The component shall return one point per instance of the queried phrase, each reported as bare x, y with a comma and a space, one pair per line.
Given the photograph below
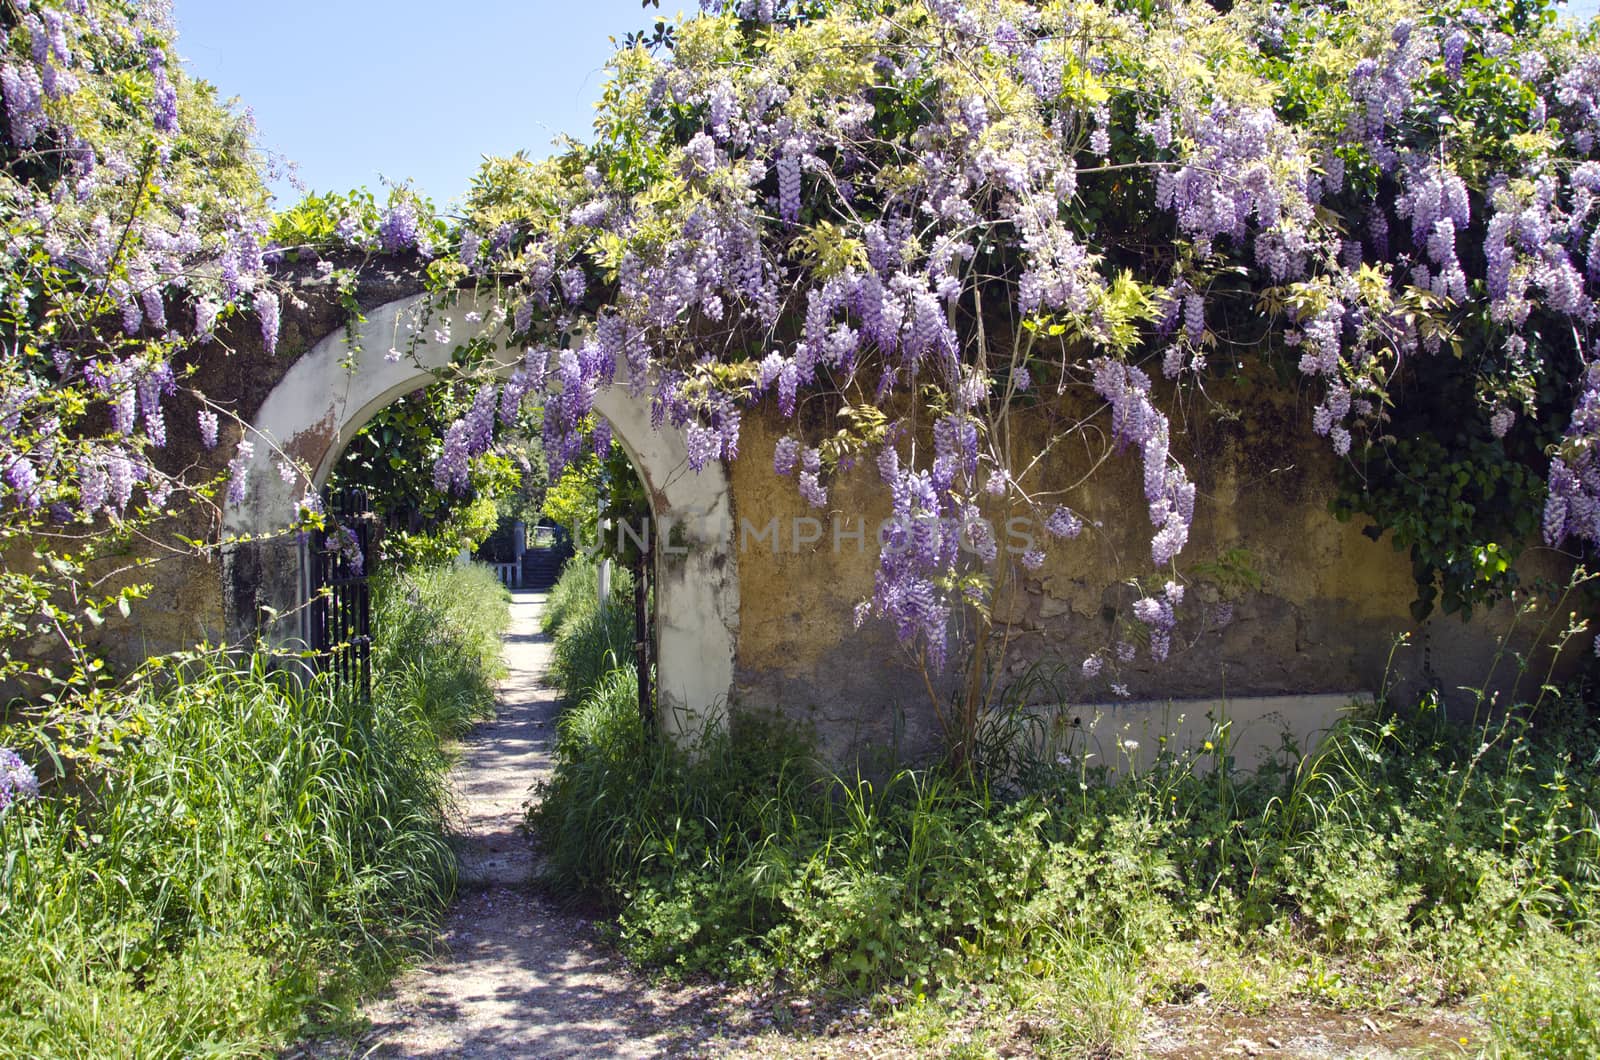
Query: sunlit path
514, 974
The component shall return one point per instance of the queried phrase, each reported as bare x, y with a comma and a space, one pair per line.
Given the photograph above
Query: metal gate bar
341, 603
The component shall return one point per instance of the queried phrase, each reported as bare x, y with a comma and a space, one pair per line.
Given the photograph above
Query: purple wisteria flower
18, 782
266, 306
1136, 421
1062, 522
239, 471
1159, 615
785, 454
1572, 506
400, 229
344, 543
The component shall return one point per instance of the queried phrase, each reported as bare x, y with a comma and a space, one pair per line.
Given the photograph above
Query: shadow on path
515, 975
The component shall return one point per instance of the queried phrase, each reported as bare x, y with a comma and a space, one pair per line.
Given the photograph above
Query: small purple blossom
785, 454
23, 479
266, 306
344, 543
209, 424
573, 284
400, 229
18, 782
1062, 522
789, 182
812, 490
239, 471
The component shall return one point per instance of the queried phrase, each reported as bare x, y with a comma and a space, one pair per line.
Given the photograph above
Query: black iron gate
341, 605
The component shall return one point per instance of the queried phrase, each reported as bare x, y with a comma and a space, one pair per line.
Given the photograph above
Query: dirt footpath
514, 973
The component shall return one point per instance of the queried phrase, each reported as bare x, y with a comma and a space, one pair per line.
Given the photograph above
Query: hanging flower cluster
119, 255
17, 779
962, 207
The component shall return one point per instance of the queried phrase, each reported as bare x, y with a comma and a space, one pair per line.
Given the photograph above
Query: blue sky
357, 89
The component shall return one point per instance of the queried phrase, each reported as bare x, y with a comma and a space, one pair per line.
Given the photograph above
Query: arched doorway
330, 393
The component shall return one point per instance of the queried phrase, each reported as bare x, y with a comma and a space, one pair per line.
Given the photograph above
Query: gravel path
514, 974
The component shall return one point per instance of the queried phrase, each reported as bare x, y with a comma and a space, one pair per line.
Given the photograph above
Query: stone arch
324, 399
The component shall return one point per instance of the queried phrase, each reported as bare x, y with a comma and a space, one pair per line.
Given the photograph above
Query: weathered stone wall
196, 597
1323, 618
1318, 625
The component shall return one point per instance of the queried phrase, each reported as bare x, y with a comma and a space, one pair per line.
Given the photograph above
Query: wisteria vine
958, 210
927, 219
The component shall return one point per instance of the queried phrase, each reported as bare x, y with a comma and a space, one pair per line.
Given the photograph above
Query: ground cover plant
251, 851
1409, 861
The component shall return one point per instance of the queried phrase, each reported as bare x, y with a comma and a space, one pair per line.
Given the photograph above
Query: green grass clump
576, 589
253, 850
438, 641
588, 643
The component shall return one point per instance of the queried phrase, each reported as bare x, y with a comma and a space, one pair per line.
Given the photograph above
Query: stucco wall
1319, 627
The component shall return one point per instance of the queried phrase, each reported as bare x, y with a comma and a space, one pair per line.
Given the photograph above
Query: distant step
542, 566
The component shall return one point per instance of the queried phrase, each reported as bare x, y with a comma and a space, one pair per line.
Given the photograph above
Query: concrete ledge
1130, 734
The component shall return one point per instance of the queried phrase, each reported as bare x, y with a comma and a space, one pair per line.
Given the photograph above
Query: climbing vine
922, 220
934, 224
135, 227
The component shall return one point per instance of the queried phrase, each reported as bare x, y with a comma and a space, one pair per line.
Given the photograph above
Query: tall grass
588, 643
438, 642
255, 849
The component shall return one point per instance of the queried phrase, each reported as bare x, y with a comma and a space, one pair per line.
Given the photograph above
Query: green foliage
589, 642
439, 641
573, 502
257, 849
1547, 1001
1402, 860
352, 219
392, 458
1462, 503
